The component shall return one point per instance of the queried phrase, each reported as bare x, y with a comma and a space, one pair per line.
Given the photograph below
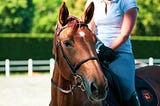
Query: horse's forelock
73, 24
72, 21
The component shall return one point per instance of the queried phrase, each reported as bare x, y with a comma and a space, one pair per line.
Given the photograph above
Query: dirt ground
21, 90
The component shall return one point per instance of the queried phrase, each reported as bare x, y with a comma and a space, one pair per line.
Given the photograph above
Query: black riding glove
105, 53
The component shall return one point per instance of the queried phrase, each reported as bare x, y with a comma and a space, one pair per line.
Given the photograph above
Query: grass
26, 35
146, 38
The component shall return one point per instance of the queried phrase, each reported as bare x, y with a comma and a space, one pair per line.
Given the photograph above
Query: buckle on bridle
79, 82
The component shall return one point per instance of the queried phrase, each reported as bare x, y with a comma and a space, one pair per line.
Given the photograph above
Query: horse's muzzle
97, 92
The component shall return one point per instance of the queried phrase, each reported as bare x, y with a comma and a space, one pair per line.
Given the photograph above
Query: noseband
78, 79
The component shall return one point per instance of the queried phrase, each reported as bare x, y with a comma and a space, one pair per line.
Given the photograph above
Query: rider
113, 22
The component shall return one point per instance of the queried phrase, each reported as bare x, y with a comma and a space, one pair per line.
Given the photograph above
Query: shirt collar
114, 1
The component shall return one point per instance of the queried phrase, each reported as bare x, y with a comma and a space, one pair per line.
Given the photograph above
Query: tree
46, 13
75, 7
45, 17
148, 18
40, 16
16, 16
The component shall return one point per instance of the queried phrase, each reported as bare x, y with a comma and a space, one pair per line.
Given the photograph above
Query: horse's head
75, 53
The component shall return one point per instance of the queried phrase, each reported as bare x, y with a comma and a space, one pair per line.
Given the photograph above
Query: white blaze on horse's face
82, 34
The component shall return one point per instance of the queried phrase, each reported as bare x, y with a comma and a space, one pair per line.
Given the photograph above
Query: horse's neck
59, 79
58, 96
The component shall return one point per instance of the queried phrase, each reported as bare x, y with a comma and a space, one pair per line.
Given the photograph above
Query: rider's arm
127, 25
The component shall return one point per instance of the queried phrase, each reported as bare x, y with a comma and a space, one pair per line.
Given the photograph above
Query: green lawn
26, 35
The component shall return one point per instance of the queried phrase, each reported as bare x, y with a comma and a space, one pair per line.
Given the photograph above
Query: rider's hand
106, 53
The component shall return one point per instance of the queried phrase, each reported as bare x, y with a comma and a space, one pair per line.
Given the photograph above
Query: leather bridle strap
62, 90
83, 61
78, 83
75, 67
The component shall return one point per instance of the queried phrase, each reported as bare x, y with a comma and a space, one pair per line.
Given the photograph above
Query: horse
77, 78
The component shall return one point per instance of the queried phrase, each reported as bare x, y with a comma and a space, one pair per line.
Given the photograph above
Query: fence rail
147, 62
30, 65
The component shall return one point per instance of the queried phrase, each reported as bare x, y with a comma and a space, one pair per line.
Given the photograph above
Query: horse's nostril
94, 88
98, 92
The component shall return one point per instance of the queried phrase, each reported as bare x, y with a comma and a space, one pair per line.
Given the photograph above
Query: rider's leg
133, 101
124, 70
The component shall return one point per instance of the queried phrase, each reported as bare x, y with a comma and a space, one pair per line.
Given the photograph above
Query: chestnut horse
77, 78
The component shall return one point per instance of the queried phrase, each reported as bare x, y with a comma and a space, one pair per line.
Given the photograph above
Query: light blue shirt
108, 25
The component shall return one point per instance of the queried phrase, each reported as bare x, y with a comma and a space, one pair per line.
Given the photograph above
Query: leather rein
79, 82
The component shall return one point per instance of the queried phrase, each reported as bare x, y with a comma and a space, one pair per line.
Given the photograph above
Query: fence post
30, 67
150, 61
7, 68
51, 65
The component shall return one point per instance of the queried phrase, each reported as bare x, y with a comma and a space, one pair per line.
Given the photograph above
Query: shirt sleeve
128, 4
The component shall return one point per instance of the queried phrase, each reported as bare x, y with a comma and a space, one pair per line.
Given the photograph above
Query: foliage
16, 15
40, 16
148, 18
75, 8
45, 15
145, 48
23, 48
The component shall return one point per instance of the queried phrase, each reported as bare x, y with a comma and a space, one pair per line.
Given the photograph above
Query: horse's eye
67, 43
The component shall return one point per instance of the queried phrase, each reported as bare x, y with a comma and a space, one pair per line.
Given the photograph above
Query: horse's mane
72, 23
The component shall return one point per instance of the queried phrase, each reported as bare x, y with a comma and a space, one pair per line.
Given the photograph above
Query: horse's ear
88, 13
63, 14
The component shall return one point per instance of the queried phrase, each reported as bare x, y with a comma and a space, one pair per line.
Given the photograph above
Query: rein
78, 79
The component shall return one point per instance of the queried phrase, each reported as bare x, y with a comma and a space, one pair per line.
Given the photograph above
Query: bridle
79, 82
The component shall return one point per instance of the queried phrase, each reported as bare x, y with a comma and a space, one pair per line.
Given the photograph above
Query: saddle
145, 91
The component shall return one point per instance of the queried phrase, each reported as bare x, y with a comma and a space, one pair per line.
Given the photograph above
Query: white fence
30, 65
147, 62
